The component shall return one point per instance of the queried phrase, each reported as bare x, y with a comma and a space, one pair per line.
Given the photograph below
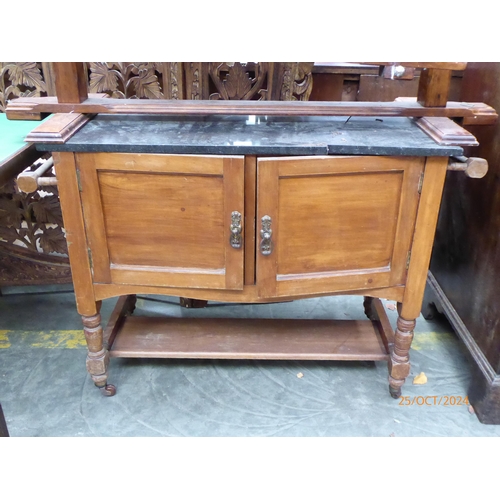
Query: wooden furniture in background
372, 82
465, 267
4, 432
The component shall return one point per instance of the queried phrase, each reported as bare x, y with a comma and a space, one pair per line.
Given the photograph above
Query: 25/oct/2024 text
433, 401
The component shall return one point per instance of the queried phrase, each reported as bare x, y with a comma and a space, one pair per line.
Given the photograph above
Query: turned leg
399, 362
98, 355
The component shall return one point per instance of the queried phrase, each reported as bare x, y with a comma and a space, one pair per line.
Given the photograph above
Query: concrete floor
45, 389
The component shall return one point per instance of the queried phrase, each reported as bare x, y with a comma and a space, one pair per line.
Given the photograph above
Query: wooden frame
477, 113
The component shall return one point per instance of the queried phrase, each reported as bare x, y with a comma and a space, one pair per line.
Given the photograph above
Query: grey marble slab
257, 135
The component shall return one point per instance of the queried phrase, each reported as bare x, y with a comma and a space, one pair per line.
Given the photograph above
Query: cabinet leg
399, 362
133, 302
368, 306
192, 303
98, 355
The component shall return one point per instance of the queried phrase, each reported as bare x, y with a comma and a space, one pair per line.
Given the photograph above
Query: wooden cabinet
251, 201
249, 228
321, 224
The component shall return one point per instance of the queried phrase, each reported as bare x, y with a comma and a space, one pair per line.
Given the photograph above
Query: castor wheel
395, 392
108, 390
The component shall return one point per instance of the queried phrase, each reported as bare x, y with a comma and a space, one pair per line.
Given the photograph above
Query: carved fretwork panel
139, 80
294, 81
22, 79
249, 81
202, 80
240, 81
32, 241
196, 78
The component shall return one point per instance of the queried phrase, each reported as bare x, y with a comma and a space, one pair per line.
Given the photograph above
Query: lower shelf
145, 337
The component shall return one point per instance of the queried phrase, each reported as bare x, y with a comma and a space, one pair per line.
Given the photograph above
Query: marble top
256, 135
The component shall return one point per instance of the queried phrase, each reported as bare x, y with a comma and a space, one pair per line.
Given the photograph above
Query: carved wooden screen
143, 80
23, 79
202, 80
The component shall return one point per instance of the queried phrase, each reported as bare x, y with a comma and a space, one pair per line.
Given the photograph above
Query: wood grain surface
211, 338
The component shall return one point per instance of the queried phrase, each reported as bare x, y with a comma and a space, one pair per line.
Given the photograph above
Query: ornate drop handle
235, 228
266, 245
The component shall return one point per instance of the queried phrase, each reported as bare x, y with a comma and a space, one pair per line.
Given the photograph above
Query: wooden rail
477, 113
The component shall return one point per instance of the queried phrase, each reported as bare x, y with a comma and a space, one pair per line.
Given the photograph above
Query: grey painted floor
45, 389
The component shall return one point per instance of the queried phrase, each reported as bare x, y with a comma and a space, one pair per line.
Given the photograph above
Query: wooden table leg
98, 355
399, 363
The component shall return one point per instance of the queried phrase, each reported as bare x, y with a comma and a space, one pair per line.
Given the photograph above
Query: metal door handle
266, 244
235, 229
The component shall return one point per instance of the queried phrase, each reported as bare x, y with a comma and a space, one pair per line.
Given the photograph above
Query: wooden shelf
213, 338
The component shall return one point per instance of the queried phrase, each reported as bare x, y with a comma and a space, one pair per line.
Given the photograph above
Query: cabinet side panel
69, 195
93, 216
406, 218
425, 228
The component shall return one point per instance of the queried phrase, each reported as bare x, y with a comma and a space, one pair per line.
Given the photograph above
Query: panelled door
331, 224
164, 220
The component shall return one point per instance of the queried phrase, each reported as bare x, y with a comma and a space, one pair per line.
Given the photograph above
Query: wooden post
71, 82
433, 87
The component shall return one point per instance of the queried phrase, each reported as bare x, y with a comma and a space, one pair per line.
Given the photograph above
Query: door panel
341, 223
163, 220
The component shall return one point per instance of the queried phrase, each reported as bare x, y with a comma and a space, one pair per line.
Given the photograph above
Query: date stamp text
434, 401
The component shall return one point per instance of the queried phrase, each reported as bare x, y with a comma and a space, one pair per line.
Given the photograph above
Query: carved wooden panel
202, 80
32, 241
139, 80
20, 79
196, 78
241, 81
295, 81
257, 81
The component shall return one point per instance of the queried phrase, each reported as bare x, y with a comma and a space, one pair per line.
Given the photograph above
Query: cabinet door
164, 220
334, 223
